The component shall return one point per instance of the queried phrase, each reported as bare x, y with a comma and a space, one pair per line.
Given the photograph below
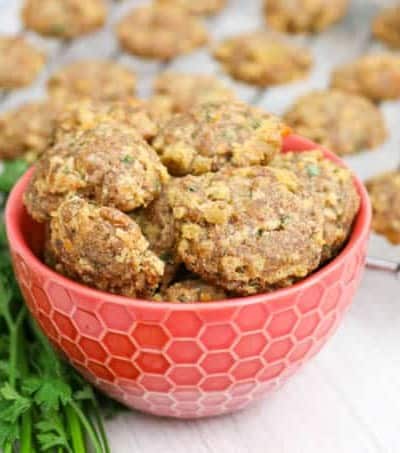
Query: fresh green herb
127, 159
166, 257
12, 171
313, 170
255, 123
285, 220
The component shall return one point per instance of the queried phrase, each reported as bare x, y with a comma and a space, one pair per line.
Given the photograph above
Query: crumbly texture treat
183, 91
28, 130
341, 122
20, 62
247, 230
375, 76
190, 291
160, 32
263, 59
386, 27
211, 136
333, 190
64, 18
104, 248
110, 164
95, 79
384, 192
200, 7
304, 16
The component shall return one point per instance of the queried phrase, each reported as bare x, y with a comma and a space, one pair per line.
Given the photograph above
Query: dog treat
386, 27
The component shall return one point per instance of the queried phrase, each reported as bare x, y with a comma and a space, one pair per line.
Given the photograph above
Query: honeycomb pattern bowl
179, 360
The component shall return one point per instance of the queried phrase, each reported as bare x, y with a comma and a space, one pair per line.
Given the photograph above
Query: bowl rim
360, 232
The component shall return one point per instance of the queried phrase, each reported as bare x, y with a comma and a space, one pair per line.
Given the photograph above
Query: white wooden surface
348, 399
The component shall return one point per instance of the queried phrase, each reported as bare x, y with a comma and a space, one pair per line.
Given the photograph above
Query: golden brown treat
386, 27
20, 62
341, 122
109, 164
199, 7
191, 291
87, 113
160, 32
304, 16
376, 77
384, 192
261, 58
28, 130
211, 136
64, 18
183, 91
103, 248
247, 230
333, 190
101, 80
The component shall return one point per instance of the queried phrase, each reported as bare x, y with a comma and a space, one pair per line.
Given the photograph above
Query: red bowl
179, 360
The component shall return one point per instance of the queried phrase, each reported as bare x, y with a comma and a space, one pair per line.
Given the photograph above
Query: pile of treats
200, 205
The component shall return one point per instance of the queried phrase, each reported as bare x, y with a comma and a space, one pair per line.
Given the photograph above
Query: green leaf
12, 404
9, 433
52, 393
51, 433
12, 171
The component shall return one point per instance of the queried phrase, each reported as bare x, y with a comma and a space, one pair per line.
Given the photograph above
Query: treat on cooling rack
189, 291
384, 192
332, 190
182, 91
64, 18
214, 135
20, 62
110, 164
386, 27
160, 32
96, 79
247, 230
304, 16
375, 76
342, 122
28, 130
104, 248
199, 7
263, 59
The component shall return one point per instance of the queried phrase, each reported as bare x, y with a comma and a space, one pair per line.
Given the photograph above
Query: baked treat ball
247, 230
104, 248
160, 32
110, 164
20, 62
333, 191
64, 18
200, 7
95, 79
342, 122
386, 27
263, 59
304, 16
182, 91
28, 130
384, 192
211, 136
190, 291
375, 76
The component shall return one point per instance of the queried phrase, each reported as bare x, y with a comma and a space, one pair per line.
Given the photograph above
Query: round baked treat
304, 16
161, 32
384, 192
199, 7
64, 18
183, 91
20, 62
96, 79
247, 230
110, 164
214, 135
333, 190
104, 248
386, 27
190, 291
260, 58
342, 122
376, 77
28, 130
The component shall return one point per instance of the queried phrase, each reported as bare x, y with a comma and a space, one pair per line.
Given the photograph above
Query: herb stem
26, 419
75, 430
88, 427
100, 426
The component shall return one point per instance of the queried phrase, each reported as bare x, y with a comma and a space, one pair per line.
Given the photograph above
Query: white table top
348, 399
